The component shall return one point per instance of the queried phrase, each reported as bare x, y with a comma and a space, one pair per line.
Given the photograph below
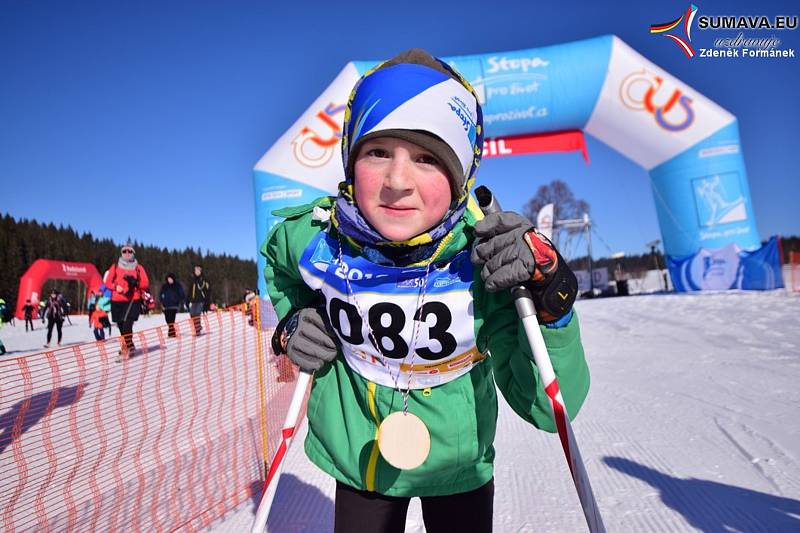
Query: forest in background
23, 241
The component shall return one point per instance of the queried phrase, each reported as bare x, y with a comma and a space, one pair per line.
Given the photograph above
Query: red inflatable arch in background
30, 284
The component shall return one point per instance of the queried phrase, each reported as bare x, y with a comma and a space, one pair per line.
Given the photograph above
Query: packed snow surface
691, 424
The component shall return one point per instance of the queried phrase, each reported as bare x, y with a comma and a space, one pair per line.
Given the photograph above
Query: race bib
424, 326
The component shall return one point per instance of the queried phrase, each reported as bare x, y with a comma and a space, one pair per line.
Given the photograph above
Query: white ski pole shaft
276, 466
527, 313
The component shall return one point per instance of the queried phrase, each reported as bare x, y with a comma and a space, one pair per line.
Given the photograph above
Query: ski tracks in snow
690, 425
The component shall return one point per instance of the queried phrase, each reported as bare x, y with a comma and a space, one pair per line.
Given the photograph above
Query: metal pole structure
653, 251
588, 225
527, 313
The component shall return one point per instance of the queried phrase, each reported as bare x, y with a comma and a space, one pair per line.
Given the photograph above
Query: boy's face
400, 188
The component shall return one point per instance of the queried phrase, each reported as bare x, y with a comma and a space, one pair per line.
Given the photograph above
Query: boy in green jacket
395, 294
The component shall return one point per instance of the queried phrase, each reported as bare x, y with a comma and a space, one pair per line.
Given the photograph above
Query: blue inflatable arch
688, 144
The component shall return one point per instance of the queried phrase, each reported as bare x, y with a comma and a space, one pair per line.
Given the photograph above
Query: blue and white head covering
420, 99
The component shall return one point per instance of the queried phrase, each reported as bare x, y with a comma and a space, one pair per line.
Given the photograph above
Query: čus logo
676, 25
646, 91
322, 147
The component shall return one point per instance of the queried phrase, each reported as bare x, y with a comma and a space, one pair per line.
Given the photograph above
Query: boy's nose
397, 178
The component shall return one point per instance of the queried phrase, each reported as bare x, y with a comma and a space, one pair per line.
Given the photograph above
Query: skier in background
5, 313
250, 302
127, 278
199, 298
171, 297
98, 325
67, 309
2, 346
103, 302
91, 302
27, 309
54, 312
395, 294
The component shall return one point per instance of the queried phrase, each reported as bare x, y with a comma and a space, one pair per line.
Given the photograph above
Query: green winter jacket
345, 409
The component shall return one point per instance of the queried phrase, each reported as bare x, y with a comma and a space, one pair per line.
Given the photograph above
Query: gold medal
403, 440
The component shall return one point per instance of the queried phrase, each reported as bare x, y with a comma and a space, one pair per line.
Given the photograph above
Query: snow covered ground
692, 423
19, 342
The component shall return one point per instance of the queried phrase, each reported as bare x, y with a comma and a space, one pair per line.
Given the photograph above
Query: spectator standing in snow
171, 298
199, 298
2, 347
28, 310
5, 314
127, 279
54, 312
67, 309
91, 303
250, 301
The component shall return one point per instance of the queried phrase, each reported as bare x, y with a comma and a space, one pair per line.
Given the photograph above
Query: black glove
133, 282
513, 253
308, 339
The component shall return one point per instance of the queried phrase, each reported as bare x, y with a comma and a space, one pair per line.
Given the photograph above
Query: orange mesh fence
171, 438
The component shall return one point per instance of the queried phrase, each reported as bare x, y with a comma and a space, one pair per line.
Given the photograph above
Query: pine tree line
23, 241
628, 263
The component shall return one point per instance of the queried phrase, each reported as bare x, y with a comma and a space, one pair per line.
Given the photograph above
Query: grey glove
313, 343
501, 248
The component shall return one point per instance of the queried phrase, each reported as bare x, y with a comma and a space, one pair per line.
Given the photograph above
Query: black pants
196, 312
126, 330
106, 324
28, 320
359, 511
169, 316
50, 324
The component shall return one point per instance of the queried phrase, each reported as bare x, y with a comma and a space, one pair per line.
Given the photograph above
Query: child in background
99, 319
103, 302
396, 295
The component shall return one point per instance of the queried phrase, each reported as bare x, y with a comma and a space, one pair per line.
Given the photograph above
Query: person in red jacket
127, 279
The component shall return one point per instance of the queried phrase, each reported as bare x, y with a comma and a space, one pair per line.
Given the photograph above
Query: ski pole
527, 313
276, 466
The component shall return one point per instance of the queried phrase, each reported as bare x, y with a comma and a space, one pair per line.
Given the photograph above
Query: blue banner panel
727, 268
702, 197
275, 192
551, 88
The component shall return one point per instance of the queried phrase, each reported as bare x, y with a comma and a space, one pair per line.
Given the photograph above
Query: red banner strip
560, 141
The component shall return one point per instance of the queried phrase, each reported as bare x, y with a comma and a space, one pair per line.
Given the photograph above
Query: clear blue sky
146, 118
